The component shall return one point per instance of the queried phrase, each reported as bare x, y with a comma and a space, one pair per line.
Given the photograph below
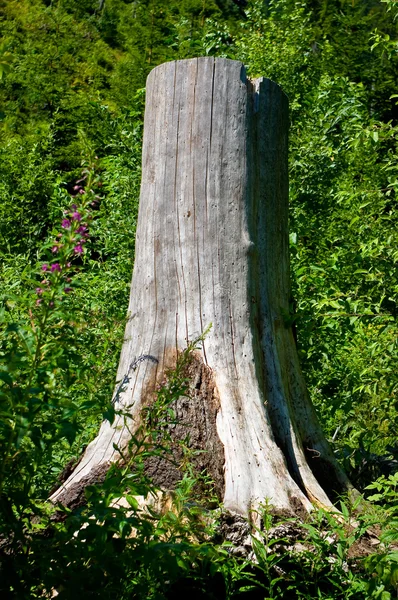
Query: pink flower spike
39, 290
82, 191
65, 224
78, 249
54, 249
51, 304
38, 302
69, 265
76, 187
55, 267
44, 268
76, 216
81, 229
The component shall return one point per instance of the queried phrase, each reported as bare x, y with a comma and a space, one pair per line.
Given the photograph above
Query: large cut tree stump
212, 248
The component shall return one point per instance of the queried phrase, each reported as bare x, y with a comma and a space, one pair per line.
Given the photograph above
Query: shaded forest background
72, 93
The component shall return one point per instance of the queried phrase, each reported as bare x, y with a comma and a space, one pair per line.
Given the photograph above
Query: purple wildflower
38, 302
82, 229
68, 265
81, 191
39, 290
55, 267
67, 290
76, 216
65, 224
77, 187
44, 268
78, 249
54, 249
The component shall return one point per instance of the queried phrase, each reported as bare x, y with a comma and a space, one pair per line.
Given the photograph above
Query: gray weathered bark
212, 247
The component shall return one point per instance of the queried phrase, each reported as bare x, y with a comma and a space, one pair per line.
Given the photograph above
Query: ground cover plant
72, 77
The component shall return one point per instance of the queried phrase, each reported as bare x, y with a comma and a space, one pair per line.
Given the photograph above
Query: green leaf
6, 377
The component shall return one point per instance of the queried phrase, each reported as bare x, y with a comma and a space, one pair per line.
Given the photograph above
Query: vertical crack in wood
212, 103
176, 203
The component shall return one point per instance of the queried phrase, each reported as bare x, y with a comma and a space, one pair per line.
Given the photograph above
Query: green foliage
327, 557
26, 186
343, 160
39, 354
111, 545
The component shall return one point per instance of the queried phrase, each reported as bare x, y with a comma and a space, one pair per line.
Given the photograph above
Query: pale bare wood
212, 247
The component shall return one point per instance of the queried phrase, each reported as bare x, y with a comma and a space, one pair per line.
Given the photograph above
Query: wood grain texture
212, 247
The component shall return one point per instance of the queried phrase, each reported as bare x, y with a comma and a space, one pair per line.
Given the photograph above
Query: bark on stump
212, 247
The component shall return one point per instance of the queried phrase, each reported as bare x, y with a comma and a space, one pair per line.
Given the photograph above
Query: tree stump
212, 248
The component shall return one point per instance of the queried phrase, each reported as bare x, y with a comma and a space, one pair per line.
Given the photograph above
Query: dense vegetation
72, 77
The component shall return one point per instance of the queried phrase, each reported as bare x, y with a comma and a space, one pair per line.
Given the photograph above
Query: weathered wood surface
212, 247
